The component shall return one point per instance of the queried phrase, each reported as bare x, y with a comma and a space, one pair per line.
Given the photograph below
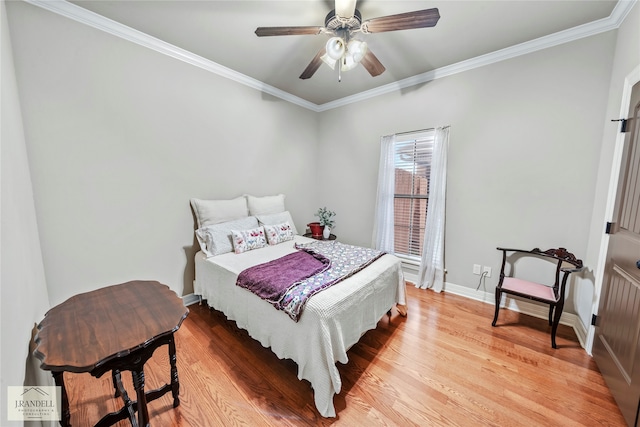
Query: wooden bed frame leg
402, 309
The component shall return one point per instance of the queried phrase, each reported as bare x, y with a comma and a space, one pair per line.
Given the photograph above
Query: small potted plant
326, 220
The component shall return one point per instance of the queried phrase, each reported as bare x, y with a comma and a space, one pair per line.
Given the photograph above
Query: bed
331, 322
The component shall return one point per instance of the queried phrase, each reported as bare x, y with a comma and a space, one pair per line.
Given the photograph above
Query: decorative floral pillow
279, 218
279, 233
246, 240
216, 239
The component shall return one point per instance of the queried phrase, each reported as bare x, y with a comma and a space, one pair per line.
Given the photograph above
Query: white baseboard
524, 307
190, 299
521, 306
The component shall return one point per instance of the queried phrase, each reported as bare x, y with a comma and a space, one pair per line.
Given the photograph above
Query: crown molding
92, 19
84, 16
620, 11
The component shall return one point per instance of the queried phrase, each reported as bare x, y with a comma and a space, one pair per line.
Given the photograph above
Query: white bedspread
331, 322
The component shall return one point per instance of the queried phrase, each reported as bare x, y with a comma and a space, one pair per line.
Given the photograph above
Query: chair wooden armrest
552, 293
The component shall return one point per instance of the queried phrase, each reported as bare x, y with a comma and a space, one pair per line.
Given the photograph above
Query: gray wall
524, 144
23, 289
121, 137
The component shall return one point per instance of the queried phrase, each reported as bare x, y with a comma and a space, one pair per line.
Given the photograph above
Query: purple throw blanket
288, 282
272, 279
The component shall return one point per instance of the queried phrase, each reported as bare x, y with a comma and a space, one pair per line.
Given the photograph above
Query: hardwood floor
443, 365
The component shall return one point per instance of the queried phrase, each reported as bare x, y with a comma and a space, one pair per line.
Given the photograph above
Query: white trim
614, 20
92, 19
410, 273
521, 306
620, 11
79, 14
408, 260
191, 299
631, 79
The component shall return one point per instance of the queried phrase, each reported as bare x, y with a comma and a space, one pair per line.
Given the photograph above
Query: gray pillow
209, 212
265, 205
277, 218
216, 239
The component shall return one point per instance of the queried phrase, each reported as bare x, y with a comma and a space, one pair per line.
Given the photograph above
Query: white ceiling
222, 32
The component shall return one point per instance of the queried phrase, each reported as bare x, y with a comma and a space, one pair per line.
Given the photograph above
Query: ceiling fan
345, 49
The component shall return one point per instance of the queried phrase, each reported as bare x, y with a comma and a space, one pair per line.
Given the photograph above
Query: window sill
409, 260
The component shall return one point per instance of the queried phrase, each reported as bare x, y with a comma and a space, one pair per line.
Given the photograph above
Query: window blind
412, 161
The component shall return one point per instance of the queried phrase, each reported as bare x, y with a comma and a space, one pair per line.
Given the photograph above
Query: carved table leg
175, 384
138, 384
65, 419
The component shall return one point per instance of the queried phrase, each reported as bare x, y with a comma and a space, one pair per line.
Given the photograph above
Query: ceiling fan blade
287, 31
372, 64
345, 8
402, 21
313, 65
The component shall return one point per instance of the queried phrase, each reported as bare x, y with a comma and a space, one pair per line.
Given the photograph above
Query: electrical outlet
476, 269
487, 270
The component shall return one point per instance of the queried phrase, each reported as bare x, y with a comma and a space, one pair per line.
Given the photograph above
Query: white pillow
279, 233
216, 239
277, 218
247, 240
209, 212
265, 205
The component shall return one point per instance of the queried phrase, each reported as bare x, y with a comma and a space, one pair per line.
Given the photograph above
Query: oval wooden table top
92, 328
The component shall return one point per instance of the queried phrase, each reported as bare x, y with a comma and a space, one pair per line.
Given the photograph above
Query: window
412, 166
408, 162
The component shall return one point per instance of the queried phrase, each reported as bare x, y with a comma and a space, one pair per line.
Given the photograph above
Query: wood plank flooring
443, 365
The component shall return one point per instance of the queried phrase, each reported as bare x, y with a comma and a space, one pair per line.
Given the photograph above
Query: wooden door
617, 335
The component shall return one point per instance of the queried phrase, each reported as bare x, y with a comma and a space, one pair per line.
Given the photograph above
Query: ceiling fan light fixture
348, 63
329, 61
345, 22
335, 48
357, 49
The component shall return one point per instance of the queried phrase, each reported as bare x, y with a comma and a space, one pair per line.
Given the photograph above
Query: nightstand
331, 236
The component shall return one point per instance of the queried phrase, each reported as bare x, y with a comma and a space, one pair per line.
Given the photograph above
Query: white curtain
431, 273
382, 233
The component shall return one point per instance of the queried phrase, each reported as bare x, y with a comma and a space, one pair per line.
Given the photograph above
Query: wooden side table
331, 236
115, 329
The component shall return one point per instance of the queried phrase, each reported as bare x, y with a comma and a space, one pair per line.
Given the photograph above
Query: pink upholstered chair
552, 293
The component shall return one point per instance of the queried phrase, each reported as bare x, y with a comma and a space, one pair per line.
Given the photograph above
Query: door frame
631, 79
